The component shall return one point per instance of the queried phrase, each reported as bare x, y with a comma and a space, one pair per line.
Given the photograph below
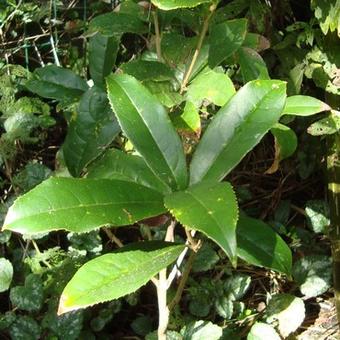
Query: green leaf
102, 57
225, 39
317, 213
288, 310
214, 86
6, 274
304, 106
237, 286
328, 14
210, 208
146, 123
285, 145
237, 128
252, 65
262, 331
29, 297
224, 307
189, 120
81, 205
116, 164
256, 42
205, 259
57, 83
173, 4
164, 92
144, 70
260, 245
325, 126
92, 130
199, 330
313, 273
115, 24
117, 274
24, 328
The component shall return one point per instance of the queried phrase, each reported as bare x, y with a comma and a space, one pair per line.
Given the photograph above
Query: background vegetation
283, 181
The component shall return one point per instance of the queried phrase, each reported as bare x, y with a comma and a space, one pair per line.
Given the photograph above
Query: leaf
146, 123
252, 65
256, 42
164, 92
189, 120
205, 259
325, 126
58, 83
317, 213
237, 286
81, 205
144, 70
117, 274
288, 310
262, 331
328, 14
116, 164
237, 128
214, 86
29, 297
304, 106
173, 4
114, 24
313, 273
102, 57
24, 328
260, 245
285, 145
6, 274
199, 330
210, 208
225, 39
224, 307
92, 130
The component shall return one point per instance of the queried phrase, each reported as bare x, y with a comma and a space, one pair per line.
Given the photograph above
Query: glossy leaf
116, 274
116, 164
148, 70
115, 24
57, 83
173, 4
260, 245
210, 208
92, 130
81, 205
214, 86
102, 57
237, 128
252, 65
225, 39
146, 123
285, 145
304, 106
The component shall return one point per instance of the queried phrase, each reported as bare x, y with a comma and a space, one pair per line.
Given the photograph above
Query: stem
162, 287
333, 167
158, 35
183, 281
39, 253
198, 48
113, 238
